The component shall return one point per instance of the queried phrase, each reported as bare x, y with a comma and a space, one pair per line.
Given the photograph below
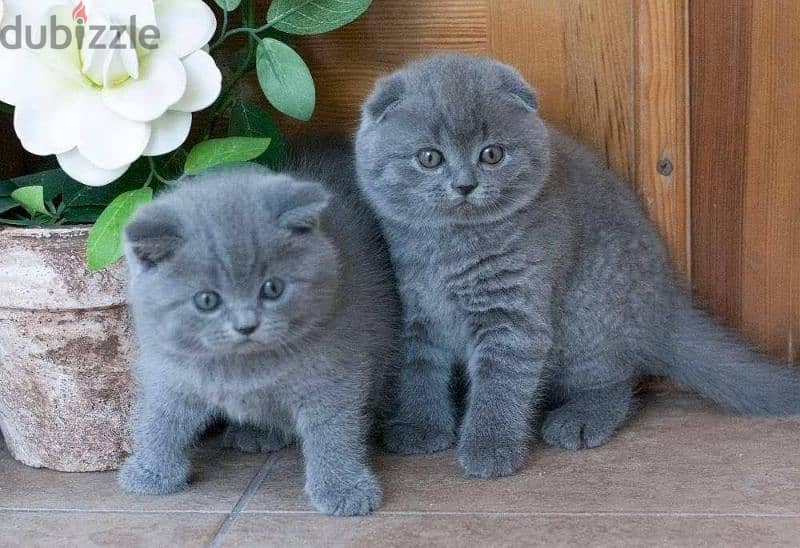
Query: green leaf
52, 182
7, 204
6, 188
228, 5
314, 16
104, 245
285, 79
76, 194
248, 120
31, 198
216, 152
82, 214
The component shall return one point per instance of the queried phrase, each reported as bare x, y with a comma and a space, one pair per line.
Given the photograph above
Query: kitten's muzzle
464, 188
246, 322
246, 330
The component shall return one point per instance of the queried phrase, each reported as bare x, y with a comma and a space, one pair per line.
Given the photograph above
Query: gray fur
316, 365
547, 283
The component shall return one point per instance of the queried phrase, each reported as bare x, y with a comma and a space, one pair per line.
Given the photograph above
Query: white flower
98, 108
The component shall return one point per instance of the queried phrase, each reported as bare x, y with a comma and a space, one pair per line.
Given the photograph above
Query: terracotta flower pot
65, 351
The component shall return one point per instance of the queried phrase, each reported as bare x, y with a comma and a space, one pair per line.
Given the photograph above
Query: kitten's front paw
139, 478
414, 439
253, 440
490, 458
348, 496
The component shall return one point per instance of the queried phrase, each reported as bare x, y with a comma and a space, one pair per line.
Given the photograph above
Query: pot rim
40, 231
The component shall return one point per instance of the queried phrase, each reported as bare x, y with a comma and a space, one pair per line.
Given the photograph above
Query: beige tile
679, 455
84, 530
497, 530
219, 479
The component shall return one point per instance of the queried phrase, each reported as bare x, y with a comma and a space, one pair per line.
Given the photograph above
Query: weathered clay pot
65, 351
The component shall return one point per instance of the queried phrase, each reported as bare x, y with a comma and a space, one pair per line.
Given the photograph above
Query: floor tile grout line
240, 511
249, 493
8, 510
545, 514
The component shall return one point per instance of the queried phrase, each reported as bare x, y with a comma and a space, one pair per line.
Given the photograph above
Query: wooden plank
719, 34
530, 37
771, 213
345, 63
661, 114
578, 54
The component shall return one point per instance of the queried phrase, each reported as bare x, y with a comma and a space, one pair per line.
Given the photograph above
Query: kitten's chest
446, 277
244, 390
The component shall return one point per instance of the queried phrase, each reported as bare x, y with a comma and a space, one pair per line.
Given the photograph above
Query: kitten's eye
207, 301
429, 158
272, 289
492, 154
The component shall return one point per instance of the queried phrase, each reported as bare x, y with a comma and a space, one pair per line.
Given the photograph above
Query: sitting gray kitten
521, 258
268, 301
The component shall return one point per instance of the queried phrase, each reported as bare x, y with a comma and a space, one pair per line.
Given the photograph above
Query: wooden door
745, 120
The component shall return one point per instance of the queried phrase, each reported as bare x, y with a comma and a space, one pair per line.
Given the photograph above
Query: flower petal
82, 170
161, 84
109, 140
121, 11
204, 82
185, 25
38, 76
168, 133
51, 127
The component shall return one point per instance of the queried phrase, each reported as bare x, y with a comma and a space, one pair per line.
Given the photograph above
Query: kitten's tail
713, 361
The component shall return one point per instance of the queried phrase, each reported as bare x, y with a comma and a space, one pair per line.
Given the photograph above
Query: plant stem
256, 31
154, 173
224, 29
227, 94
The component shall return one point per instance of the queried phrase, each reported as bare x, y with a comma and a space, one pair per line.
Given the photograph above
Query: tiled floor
680, 474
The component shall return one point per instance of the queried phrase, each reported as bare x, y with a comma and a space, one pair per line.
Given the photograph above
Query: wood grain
662, 125
745, 183
346, 63
719, 33
578, 55
771, 217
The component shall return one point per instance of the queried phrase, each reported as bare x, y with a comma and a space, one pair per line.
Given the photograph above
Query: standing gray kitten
525, 261
268, 301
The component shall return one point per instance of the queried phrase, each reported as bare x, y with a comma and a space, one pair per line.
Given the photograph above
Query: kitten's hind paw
571, 427
345, 496
253, 440
138, 478
410, 439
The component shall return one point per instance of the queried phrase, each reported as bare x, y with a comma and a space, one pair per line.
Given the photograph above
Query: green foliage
285, 79
72, 202
104, 246
314, 16
7, 204
249, 120
31, 198
217, 152
228, 5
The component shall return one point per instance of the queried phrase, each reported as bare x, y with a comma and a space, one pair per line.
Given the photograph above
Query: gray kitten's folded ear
386, 95
513, 83
303, 208
153, 235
